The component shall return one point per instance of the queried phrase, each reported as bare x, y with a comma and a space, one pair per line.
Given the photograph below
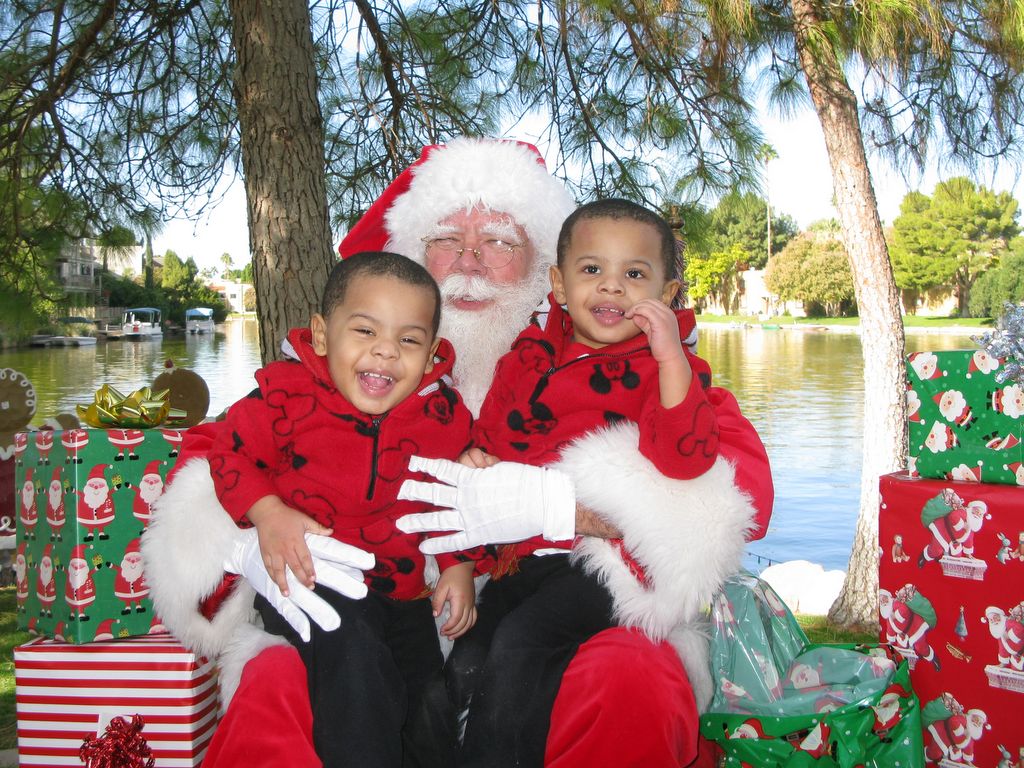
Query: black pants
376, 684
508, 668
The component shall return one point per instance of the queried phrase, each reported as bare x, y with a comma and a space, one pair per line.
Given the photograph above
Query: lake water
803, 390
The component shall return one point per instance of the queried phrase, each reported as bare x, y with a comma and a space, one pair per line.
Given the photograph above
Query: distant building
232, 292
78, 269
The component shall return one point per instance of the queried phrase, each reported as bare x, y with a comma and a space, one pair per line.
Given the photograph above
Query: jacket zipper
373, 430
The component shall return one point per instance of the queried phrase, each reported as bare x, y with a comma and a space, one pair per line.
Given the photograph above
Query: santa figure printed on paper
126, 441
29, 515
74, 440
21, 578
95, 507
953, 526
130, 583
80, 592
906, 618
1007, 628
55, 514
951, 733
148, 490
46, 585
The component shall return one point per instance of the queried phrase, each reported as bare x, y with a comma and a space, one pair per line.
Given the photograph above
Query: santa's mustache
472, 288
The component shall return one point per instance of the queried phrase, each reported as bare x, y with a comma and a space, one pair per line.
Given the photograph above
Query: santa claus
1017, 468
174, 438
74, 441
952, 529
925, 365
954, 737
44, 444
941, 438
887, 710
80, 591
46, 585
29, 513
1008, 401
804, 677
913, 405
20, 446
954, 408
1008, 630
95, 506
465, 190
906, 618
148, 490
816, 743
982, 362
130, 584
126, 441
751, 728
55, 515
21, 578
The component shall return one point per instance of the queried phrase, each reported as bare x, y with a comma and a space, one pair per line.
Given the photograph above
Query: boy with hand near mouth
328, 436
614, 352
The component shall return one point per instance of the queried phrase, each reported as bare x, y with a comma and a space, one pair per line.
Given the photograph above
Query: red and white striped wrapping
66, 692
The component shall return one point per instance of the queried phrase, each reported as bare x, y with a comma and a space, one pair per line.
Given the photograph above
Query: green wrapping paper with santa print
781, 701
964, 425
83, 500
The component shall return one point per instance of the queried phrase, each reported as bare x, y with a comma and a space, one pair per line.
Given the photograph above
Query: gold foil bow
141, 409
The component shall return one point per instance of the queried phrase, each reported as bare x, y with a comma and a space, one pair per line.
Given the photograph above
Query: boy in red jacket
613, 353
329, 435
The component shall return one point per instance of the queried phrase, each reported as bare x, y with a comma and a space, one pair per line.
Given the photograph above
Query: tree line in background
964, 240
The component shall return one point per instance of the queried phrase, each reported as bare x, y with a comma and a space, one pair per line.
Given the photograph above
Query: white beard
20, 569
150, 490
45, 572
131, 569
55, 494
78, 573
481, 336
95, 495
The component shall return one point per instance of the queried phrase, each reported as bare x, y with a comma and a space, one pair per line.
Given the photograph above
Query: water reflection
803, 390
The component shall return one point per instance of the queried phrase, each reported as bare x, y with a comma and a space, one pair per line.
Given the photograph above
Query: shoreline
948, 330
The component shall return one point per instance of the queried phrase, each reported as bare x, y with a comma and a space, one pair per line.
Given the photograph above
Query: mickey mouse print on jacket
548, 391
296, 437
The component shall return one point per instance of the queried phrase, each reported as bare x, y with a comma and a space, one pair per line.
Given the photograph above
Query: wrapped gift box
951, 599
964, 425
83, 500
68, 692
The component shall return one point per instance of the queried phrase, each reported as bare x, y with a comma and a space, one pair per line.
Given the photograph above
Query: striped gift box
66, 692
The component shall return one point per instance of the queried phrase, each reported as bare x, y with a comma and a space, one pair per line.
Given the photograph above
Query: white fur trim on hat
503, 176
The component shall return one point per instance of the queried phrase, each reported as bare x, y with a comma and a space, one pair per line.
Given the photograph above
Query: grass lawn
10, 636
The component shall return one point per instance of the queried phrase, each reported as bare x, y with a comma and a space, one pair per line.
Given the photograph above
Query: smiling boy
613, 353
329, 434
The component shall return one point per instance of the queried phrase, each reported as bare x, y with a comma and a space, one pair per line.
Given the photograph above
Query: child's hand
476, 457
659, 323
455, 587
282, 533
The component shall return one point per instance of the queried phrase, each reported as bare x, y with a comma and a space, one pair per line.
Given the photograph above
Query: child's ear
318, 327
557, 285
670, 291
430, 358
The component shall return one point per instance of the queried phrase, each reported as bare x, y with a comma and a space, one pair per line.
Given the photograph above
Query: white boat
199, 320
137, 323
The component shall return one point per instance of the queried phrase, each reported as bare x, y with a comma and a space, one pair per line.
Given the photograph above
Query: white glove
338, 566
505, 503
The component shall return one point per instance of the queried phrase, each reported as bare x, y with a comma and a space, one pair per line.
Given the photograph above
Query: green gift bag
782, 701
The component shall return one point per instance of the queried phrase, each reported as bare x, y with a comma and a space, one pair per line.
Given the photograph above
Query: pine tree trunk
282, 138
882, 338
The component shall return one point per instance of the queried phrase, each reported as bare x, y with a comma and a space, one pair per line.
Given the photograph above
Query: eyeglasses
493, 254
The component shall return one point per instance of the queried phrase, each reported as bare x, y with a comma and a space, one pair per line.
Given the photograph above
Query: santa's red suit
46, 585
126, 440
625, 699
953, 533
44, 444
74, 440
1009, 634
21, 578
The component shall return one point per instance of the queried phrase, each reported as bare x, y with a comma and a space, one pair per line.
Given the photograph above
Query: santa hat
967, 474
78, 553
505, 176
153, 468
156, 626
979, 507
132, 546
21, 550
47, 552
105, 630
56, 475
97, 472
978, 714
28, 475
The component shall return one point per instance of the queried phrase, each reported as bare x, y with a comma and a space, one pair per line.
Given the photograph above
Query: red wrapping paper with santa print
83, 500
964, 425
951, 600
67, 693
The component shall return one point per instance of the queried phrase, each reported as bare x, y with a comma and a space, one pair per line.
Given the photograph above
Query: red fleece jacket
296, 437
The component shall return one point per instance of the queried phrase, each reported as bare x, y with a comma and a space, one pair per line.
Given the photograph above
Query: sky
798, 183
